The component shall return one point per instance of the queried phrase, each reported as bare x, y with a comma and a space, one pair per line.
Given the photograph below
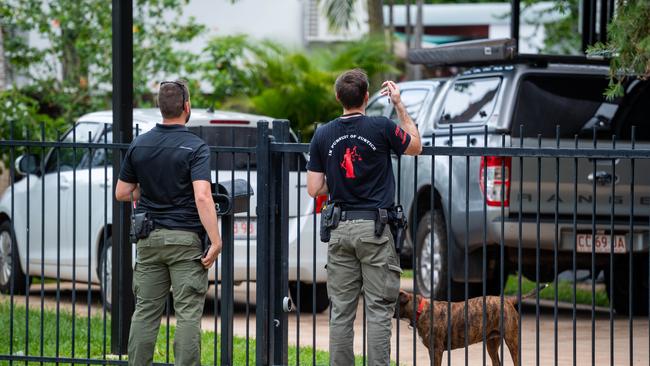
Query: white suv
70, 205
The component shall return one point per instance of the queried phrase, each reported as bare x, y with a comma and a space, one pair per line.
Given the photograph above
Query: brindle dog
424, 321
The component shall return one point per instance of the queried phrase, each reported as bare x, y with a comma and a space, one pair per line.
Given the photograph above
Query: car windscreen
470, 101
238, 137
575, 103
413, 100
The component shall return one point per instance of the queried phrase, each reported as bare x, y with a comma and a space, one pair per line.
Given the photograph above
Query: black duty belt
359, 215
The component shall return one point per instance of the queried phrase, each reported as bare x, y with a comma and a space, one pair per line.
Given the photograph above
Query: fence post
122, 296
263, 244
227, 284
280, 245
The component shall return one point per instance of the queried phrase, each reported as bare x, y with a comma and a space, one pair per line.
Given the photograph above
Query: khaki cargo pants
357, 258
168, 258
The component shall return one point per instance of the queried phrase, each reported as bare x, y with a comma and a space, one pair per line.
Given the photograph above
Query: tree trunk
375, 17
419, 30
391, 26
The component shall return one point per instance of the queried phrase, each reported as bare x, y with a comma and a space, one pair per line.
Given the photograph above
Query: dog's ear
404, 297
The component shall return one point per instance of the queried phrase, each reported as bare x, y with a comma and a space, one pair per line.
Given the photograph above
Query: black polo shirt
355, 155
165, 161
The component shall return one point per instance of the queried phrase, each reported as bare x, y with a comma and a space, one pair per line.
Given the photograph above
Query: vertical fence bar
27, 255
298, 226
415, 249
593, 256
248, 253
555, 247
449, 245
74, 238
104, 271
631, 307
399, 202
227, 282
262, 276
122, 60
537, 248
466, 264
12, 279
58, 246
215, 304
42, 172
519, 238
281, 270
575, 245
611, 258
484, 259
502, 251
90, 214
432, 293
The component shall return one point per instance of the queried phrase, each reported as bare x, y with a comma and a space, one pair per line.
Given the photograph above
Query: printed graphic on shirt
351, 155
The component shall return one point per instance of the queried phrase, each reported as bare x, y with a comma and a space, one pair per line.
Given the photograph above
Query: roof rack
484, 52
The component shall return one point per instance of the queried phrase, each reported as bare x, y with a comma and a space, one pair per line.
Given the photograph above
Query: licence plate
603, 243
242, 229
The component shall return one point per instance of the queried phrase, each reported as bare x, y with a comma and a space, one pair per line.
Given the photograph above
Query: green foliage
21, 118
628, 45
300, 87
73, 74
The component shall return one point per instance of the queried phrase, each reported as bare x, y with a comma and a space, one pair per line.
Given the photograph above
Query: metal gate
487, 217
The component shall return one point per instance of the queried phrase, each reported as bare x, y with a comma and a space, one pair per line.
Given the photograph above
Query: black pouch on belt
381, 221
329, 220
141, 226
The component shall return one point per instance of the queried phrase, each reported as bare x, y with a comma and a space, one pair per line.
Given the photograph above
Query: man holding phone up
167, 171
350, 159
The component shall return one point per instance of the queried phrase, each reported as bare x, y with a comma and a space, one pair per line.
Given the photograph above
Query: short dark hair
351, 88
172, 96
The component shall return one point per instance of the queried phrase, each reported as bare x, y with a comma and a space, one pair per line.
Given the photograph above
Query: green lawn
97, 339
565, 290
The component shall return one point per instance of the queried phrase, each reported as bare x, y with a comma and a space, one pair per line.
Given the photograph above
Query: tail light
495, 180
320, 202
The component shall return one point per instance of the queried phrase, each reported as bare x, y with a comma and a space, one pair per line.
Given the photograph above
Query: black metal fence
489, 214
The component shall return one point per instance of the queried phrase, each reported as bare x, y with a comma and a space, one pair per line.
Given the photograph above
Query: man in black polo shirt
167, 171
350, 158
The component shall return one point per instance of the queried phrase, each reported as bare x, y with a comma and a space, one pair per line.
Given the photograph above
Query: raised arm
406, 123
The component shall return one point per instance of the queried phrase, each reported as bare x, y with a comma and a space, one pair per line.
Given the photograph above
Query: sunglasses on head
180, 86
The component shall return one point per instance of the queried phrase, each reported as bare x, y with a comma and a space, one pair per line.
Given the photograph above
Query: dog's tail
515, 299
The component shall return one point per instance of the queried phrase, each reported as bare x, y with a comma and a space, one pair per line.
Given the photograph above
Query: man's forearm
406, 122
208, 216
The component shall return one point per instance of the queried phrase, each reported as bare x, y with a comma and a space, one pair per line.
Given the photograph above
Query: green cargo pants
168, 258
357, 258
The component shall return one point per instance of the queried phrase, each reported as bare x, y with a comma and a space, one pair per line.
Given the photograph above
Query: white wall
278, 20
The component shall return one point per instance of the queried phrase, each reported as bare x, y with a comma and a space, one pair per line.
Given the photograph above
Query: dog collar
420, 309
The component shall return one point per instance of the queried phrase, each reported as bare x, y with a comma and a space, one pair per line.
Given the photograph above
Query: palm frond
339, 13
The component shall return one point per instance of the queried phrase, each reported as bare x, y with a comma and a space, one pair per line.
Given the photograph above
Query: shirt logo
400, 134
350, 156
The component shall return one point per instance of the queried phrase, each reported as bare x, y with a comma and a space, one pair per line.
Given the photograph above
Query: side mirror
26, 164
232, 197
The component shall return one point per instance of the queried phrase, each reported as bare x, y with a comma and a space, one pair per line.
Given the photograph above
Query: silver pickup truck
522, 103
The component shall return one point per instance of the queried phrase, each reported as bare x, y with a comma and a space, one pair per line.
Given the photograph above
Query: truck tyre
105, 273
621, 288
306, 297
430, 263
10, 269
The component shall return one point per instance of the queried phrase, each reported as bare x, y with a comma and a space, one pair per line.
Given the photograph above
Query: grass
97, 339
565, 290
